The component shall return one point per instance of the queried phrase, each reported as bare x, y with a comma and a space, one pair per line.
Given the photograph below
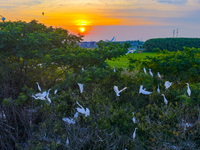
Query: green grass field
123, 60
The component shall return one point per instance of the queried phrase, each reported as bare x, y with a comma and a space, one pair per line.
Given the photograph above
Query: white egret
64, 41
67, 141
76, 115
80, 87
48, 96
81, 110
158, 90
130, 51
159, 75
134, 134
188, 90
55, 91
41, 98
68, 120
41, 94
133, 118
39, 88
150, 72
114, 69
165, 100
167, 84
82, 69
185, 125
117, 90
145, 71
141, 90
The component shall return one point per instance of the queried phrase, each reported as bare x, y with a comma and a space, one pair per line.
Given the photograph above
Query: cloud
173, 1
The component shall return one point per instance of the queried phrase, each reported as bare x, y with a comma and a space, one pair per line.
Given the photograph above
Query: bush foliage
53, 58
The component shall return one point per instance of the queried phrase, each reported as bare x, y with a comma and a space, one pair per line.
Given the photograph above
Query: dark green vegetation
31, 52
171, 44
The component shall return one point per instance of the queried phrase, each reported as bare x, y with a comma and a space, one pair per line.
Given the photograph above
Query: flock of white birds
86, 112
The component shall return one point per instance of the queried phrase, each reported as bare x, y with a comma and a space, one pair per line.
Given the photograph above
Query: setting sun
82, 29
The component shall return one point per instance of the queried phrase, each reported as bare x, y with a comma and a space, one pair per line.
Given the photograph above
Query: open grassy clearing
123, 60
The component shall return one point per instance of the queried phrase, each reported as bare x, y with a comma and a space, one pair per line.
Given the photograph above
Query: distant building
93, 44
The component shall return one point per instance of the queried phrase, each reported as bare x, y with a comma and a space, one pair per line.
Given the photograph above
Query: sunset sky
104, 19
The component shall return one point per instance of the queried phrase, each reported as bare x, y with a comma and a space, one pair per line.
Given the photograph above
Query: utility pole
177, 32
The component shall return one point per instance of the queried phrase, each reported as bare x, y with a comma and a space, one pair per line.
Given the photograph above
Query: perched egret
82, 69
167, 84
2, 115
141, 90
134, 134
80, 87
83, 111
185, 125
188, 90
67, 141
145, 71
68, 120
133, 118
64, 41
158, 90
39, 88
48, 96
150, 72
117, 91
76, 115
114, 69
159, 75
55, 91
165, 100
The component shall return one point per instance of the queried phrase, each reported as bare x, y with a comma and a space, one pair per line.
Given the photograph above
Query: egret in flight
81, 110
134, 134
48, 96
39, 88
165, 100
40, 96
80, 87
188, 89
141, 90
117, 90
150, 72
167, 84
68, 120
